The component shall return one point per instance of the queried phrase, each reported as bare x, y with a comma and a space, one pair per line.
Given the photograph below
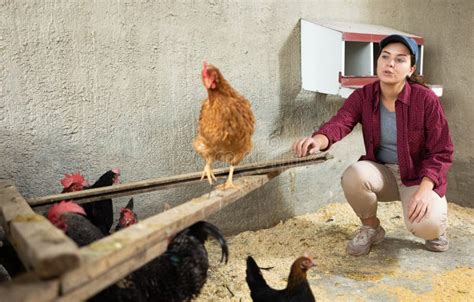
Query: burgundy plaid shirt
424, 146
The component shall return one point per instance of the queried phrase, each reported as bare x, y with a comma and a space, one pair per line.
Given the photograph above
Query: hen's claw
229, 184
208, 173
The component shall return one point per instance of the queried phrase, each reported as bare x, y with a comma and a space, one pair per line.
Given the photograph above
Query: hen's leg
208, 172
229, 183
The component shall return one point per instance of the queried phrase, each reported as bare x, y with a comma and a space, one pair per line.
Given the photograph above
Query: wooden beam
110, 259
179, 180
114, 274
41, 246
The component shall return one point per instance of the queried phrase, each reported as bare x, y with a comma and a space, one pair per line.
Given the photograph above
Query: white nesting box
337, 57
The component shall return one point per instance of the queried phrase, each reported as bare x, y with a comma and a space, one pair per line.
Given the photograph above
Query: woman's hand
310, 145
419, 206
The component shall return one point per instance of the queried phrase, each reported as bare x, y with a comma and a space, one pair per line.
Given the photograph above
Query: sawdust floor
399, 269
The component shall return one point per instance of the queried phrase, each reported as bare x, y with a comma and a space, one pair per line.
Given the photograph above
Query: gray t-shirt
387, 151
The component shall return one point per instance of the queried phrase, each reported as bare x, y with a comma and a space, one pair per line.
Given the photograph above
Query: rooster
177, 275
127, 216
180, 273
71, 218
297, 288
226, 125
100, 212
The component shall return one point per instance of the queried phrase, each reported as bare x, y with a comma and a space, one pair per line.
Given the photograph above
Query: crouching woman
408, 149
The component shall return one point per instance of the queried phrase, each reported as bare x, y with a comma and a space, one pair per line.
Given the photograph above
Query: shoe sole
437, 249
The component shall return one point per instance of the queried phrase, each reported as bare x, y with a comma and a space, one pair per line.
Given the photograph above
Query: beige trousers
366, 182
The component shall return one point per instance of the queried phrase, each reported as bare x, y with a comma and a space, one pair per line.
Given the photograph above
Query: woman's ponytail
415, 77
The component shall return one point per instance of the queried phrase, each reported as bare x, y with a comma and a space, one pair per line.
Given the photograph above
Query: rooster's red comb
73, 178
58, 209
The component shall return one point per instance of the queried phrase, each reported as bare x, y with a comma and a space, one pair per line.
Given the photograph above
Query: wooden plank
40, 245
167, 182
29, 288
115, 273
102, 259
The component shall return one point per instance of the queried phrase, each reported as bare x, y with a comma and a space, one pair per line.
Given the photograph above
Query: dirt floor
399, 269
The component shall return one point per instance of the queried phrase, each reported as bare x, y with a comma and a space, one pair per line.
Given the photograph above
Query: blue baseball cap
408, 42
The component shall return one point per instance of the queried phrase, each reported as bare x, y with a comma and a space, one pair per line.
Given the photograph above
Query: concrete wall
87, 86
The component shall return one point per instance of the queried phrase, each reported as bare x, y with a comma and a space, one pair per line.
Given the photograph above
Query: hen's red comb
73, 178
63, 207
204, 69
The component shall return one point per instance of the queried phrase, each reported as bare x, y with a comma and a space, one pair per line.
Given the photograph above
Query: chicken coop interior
146, 151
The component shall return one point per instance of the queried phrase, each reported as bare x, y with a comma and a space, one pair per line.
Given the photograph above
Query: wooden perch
41, 246
108, 260
178, 180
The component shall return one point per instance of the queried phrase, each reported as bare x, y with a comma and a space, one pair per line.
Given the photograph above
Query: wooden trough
60, 271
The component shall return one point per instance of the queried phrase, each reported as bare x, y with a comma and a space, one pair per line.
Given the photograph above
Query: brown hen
226, 125
297, 288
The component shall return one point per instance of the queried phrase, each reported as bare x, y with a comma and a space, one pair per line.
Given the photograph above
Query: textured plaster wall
87, 86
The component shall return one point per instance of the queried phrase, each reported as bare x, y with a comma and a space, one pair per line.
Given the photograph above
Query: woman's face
393, 64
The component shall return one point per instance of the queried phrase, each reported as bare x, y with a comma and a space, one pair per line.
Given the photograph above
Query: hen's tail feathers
130, 205
254, 276
202, 229
106, 179
101, 213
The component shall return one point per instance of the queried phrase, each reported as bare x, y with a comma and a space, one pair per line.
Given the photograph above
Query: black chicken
297, 289
180, 273
100, 212
177, 275
127, 216
71, 218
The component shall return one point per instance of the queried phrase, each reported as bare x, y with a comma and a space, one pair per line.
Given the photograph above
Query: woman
408, 149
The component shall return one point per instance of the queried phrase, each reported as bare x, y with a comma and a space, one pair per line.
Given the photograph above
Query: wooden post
41, 246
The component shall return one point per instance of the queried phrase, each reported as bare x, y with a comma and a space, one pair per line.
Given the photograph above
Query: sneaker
363, 240
440, 244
